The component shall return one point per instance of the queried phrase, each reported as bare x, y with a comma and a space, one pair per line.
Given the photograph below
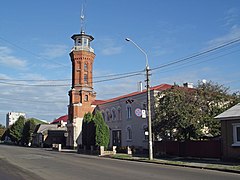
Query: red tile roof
97, 102
62, 118
160, 87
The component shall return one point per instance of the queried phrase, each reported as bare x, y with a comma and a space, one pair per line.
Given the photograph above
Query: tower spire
82, 19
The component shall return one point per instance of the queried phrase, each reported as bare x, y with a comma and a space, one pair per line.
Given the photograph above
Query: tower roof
82, 34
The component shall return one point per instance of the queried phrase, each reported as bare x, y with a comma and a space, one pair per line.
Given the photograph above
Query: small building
12, 117
230, 129
47, 134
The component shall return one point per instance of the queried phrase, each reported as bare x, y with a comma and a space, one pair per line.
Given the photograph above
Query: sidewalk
211, 164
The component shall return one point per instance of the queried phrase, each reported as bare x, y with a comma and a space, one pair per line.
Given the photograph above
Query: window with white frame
236, 134
129, 111
129, 133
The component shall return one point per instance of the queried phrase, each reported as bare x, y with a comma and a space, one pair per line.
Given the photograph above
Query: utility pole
150, 144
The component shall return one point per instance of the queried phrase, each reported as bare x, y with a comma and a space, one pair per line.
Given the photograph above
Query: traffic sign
138, 112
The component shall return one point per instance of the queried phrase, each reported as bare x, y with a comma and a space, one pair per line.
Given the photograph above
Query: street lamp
147, 69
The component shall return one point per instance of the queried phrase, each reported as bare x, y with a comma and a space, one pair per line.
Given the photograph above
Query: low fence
200, 149
101, 151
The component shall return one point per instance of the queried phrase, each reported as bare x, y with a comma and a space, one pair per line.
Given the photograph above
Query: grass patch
227, 167
122, 156
177, 163
144, 159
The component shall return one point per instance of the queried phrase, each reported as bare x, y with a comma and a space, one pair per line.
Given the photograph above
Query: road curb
180, 165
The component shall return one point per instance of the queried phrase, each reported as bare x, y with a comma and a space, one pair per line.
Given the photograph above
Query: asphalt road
33, 163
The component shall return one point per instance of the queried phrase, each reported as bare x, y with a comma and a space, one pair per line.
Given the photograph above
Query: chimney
140, 86
188, 85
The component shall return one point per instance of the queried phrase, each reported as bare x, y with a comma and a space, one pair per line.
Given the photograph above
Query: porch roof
232, 113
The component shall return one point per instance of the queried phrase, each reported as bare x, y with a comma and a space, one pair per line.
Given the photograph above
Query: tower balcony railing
82, 48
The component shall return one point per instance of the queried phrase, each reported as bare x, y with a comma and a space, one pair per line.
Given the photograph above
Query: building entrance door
116, 138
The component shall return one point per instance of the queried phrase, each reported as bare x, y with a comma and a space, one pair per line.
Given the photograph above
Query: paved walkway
211, 164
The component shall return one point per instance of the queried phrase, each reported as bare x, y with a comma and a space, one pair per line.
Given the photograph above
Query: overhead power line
39, 85
33, 101
199, 54
186, 64
112, 77
32, 53
57, 85
52, 80
39, 80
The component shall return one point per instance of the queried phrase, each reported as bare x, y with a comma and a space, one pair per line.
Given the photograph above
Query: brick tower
81, 94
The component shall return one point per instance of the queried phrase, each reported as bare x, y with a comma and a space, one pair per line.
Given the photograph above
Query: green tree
183, 113
2, 130
16, 130
213, 99
88, 131
176, 115
95, 131
102, 131
5, 134
28, 130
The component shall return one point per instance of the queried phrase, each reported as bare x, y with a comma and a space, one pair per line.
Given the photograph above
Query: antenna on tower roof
82, 20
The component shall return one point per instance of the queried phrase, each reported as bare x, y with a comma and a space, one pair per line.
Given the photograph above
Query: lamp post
147, 69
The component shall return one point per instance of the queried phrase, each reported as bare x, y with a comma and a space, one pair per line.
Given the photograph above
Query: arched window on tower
86, 98
85, 67
85, 79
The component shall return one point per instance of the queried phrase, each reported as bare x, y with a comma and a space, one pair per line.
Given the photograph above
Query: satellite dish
204, 81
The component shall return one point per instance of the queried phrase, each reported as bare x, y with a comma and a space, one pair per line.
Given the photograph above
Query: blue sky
35, 41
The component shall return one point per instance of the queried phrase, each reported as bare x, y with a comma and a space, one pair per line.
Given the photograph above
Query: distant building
45, 135
12, 117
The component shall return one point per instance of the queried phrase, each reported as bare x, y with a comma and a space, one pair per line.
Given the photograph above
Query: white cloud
233, 33
231, 16
109, 46
111, 89
7, 59
39, 102
230, 21
111, 51
54, 51
4, 76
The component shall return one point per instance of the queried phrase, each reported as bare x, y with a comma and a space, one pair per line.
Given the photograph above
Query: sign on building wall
139, 112
144, 115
